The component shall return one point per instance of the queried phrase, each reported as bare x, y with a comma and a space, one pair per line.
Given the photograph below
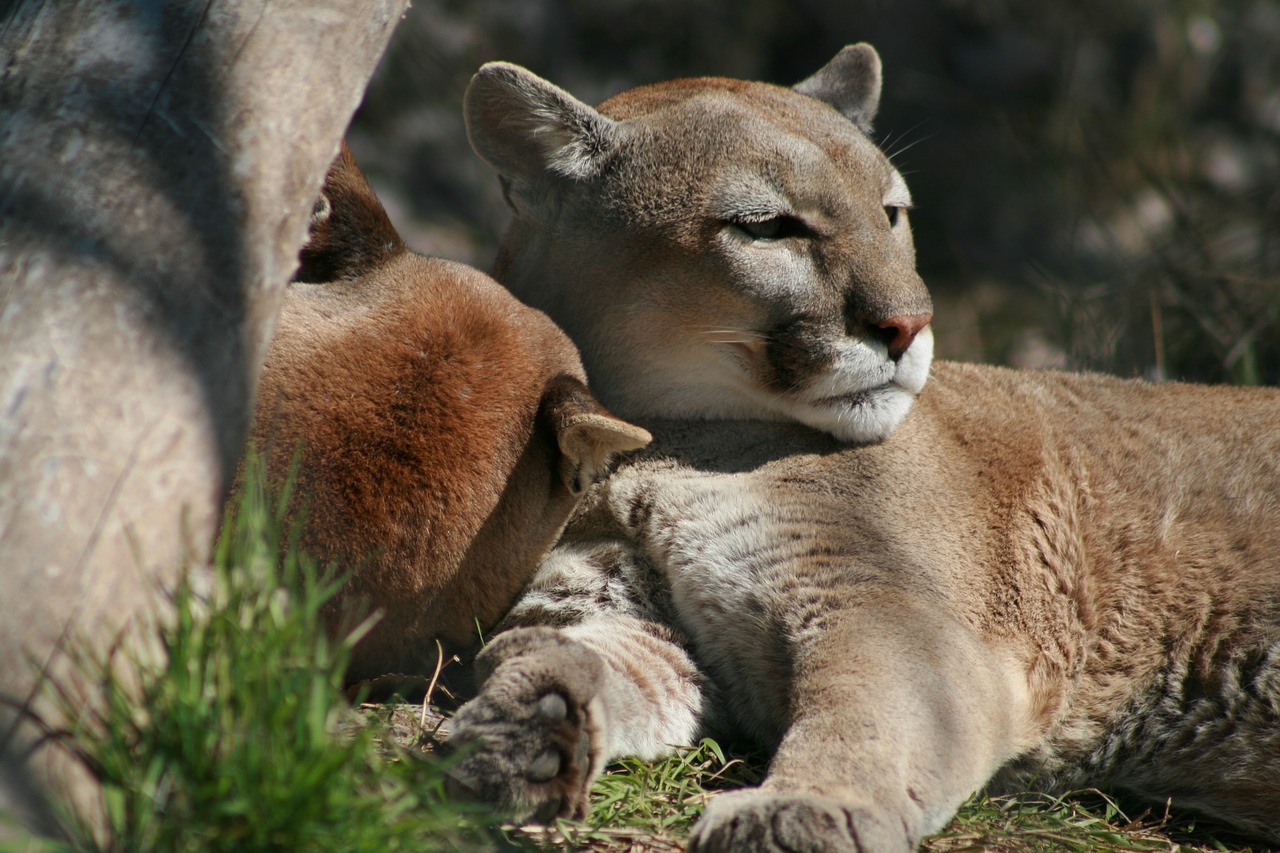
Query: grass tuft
236, 735
648, 806
1085, 821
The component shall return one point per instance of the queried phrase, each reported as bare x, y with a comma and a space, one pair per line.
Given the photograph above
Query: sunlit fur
1041, 580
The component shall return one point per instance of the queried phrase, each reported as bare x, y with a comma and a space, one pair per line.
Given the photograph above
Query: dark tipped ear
350, 231
589, 436
533, 132
850, 82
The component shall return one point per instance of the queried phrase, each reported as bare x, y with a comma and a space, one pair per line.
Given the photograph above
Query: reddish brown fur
350, 231
429, 408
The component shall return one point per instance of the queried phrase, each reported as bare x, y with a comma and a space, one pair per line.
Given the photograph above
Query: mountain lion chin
845, 407
865, 417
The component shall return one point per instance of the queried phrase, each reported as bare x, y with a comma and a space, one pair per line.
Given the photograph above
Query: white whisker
733, 336
716, 330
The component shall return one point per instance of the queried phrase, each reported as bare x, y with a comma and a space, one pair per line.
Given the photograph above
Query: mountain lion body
1033, 579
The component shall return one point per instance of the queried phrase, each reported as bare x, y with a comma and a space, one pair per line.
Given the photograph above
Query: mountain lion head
442, 432
716, 248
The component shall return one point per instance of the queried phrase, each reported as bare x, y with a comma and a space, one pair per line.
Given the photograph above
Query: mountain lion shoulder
1031, 579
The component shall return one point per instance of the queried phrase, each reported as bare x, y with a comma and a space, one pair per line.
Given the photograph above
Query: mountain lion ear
850, 83
530, 130
350, 232
588, 434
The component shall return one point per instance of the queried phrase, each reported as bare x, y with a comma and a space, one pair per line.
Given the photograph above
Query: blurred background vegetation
1097, 182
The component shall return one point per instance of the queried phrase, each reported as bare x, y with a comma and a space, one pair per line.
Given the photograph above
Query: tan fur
443, 428
1034, 579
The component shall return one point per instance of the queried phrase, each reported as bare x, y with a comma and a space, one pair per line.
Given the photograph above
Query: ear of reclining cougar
589, 437
547, 132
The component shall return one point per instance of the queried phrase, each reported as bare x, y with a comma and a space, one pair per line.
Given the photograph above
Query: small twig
426, 700
1157, 335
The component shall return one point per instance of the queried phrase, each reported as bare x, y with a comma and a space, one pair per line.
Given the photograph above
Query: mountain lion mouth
864, 398
849, 387
853, 400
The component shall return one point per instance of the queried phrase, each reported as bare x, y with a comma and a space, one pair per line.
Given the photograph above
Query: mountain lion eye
774, 228
892, 211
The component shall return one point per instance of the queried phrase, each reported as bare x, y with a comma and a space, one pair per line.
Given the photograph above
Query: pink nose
901, 330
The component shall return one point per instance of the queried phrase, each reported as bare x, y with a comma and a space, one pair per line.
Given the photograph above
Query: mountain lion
1031, 579
443, 431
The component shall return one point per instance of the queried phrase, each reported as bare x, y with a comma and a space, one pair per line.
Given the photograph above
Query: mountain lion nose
901, 330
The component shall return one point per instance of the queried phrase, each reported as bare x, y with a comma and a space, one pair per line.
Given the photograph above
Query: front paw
528, 743
773, 821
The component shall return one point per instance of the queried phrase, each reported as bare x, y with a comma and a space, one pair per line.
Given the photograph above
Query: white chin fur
871, 414
872, 418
